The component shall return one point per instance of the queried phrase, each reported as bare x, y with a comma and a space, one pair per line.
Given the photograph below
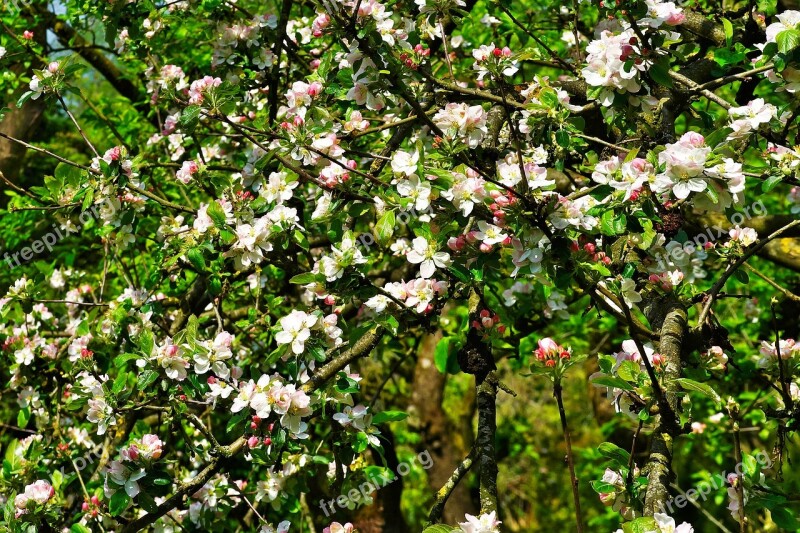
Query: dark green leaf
119, 502
189, 119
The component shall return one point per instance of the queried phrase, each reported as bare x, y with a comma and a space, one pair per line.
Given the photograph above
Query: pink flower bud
608, 498
253, 441
314, 89
27, 35
506, 51
315, 63
485, 248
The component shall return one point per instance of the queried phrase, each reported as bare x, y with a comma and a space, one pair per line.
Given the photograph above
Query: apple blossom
425, 254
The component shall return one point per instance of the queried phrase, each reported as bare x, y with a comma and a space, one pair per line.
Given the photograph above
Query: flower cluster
36, 495
270, 394
417, 294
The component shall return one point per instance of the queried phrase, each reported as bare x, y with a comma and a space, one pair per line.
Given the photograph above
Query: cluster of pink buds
488, 321
549, 352
91, 506
502, 200
245, 196
590, 248
502, 52
255, 441
86, 353
296, 122
414, 59
322, 21
666, 280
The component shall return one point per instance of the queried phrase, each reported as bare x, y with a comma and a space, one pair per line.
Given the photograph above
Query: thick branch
659, 464
485, 442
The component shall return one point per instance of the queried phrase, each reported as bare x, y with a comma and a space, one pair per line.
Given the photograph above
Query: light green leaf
702, 388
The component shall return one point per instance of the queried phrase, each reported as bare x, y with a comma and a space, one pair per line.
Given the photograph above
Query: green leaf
660, 74
702, 388
631, 155
742, 276
438, 528
189, 119
562, 138
79, 528
717, 136
607, 223
23, 416
770, 183
461, 273
24, 98
628, 370
235, 421
146, 378
728, 28
614, 452
217, 214
195, 256
750, 466
612, 383
384, 229
146, 342
389, 416
119, 502
712, 194
445, 357
788, 40
146, 502
601, 487
119, 383
641, 525
303, 279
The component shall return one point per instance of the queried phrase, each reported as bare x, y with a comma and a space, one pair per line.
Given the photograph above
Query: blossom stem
557, 392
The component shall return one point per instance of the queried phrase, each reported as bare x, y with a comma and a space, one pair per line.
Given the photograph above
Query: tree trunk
448, 441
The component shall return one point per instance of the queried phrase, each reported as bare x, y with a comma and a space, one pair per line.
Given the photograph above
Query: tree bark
669, 316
